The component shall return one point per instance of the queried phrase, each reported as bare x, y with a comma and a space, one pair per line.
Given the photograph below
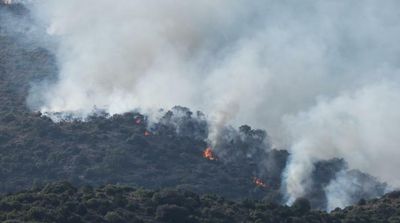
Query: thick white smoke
320, 76
361, 126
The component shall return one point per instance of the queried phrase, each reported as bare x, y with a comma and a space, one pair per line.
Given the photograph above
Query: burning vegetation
209, 154
258, 182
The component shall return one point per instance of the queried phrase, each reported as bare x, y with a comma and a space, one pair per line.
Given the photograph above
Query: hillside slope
61, 202
127, 149
34, 150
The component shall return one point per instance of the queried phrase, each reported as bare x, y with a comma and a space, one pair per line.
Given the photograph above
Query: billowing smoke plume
361, 127
320, 76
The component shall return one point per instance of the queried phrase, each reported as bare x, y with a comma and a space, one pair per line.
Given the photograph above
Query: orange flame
259, 182
208, 154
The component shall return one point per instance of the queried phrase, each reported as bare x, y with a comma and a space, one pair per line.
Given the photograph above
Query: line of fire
208, 153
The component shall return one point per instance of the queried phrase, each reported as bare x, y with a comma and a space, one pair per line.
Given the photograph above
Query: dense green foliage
61, 202
382, 210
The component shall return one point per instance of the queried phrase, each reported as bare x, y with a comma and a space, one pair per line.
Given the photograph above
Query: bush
301, 206
59, 188
168, 197
38, 213
172, 213
362, 202
114, 217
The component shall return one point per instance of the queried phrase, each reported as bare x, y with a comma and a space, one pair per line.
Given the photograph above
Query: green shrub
172, 213
301, 206
114, 217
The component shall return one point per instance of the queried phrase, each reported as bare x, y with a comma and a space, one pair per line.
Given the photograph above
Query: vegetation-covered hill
126, 149
61, 202
34, 150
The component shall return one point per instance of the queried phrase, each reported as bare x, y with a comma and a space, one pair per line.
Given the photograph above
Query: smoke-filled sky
320, 76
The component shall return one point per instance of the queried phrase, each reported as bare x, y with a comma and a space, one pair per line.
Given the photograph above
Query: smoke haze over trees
321, 78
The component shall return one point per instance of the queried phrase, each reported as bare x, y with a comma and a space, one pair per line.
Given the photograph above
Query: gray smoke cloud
320, 76
349, 187
361, 127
